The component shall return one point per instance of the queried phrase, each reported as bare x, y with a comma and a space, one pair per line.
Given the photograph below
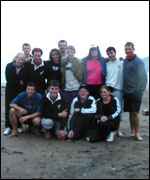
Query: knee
12, 111
36, 121
47, 123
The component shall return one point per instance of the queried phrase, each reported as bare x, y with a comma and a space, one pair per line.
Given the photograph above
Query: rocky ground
30, 157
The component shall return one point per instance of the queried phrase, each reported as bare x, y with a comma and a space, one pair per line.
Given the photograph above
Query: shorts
131, 105
48, 124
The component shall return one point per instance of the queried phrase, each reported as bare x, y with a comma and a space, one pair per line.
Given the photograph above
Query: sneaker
20, 130
87, 139
7, 131
110, 137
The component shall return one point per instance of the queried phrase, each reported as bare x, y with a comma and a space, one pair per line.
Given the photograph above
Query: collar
57, 99
131, 57
37, 66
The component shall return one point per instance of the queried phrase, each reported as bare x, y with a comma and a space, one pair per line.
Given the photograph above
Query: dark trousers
82, 123
94, 90
102, 130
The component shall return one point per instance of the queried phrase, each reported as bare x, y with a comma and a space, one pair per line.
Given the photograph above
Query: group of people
73, 98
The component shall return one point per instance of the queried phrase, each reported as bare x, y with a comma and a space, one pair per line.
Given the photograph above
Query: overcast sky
82, 23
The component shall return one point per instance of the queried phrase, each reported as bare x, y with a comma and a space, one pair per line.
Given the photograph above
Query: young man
26, 106
134, 85
114, 79
54, 112
81, 115
26, 48
62, 44
72, 75
36, 70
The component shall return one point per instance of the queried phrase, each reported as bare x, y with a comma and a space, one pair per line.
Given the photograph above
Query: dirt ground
30, 157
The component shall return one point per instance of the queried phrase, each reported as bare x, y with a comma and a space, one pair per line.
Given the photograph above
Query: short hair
25, 44
31, 84
62, 41
71, 47
37, 50
129, 44
104, 87
54, 83
50, 54
110, 49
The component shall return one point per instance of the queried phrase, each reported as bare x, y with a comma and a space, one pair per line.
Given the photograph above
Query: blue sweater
103, 66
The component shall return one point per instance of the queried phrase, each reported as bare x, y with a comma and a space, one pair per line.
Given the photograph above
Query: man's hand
104, 118
70, 134
23, 119
23, 111
63, 113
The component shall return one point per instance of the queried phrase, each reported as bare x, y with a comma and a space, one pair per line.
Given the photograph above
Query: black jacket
37, 76
51, 109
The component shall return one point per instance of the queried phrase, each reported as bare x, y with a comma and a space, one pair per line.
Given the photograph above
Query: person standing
53, 71
134, 85
26, 48
62, 44
36, 70
94, 70
16, 79
114, 78
72, 75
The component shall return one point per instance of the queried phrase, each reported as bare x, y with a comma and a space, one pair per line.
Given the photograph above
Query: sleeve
17, 100
71, 112
92, 109
117, 108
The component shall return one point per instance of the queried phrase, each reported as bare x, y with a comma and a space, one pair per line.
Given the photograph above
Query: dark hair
129, 44
110, 49
26, 44
104, 87
37, 50
54, 83
50, 54
31, 84
99, 53
62, 41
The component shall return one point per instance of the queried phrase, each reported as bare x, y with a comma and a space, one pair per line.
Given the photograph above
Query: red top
94, 72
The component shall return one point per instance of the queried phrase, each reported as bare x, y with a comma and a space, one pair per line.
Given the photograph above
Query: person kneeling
25, 108
54, 111
81, 115
108, 117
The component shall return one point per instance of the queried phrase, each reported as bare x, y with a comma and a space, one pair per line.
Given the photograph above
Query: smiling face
83, 93
111, 55
70, 53
20, 60
30, 91
26, 49
37, 57
129, 50
53, 91
104, 93
62, 46
94, 53
55, 57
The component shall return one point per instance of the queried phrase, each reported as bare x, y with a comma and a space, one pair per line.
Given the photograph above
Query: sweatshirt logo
59, 106
55, 68
41, 72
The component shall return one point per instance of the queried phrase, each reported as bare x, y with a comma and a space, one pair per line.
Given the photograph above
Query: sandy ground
30, 157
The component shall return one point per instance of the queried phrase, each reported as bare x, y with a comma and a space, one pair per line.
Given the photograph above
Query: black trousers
102, 130
82, 123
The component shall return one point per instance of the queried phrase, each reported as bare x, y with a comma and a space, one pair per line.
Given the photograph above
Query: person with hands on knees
81, 115
25, 108
54, 112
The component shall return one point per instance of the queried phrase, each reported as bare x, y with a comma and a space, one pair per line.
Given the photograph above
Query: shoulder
22, 95
91, 98
38, 95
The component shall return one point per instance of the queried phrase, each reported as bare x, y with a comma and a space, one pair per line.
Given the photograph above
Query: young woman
108, 111
53, 66
94, 70
16, 74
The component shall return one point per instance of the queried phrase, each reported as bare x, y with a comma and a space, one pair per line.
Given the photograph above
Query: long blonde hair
22, 54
